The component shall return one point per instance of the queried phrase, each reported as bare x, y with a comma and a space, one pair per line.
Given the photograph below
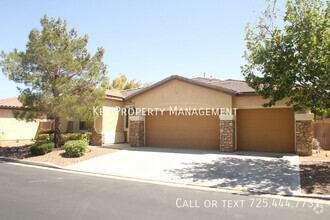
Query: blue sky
146, 40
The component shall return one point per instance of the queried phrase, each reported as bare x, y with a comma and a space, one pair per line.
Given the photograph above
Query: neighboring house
254, 128
11, 128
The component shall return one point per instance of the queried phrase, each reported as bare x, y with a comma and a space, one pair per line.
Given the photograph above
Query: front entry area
182, 131
270, 130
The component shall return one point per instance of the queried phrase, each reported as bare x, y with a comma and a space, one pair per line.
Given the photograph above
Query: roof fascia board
114, 98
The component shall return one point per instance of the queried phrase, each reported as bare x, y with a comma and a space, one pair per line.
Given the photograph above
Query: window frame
85, 126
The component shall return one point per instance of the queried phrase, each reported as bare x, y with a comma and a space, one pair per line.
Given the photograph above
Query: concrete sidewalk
253, 171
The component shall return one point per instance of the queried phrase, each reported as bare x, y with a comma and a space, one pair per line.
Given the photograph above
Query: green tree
292, 61
121, 83
61, 78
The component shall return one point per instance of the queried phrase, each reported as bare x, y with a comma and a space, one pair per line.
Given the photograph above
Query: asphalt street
34, 193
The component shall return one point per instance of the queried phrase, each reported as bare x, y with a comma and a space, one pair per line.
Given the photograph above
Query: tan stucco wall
181, 94
64, 124
251, 102
112, 122
12, 129
98, 124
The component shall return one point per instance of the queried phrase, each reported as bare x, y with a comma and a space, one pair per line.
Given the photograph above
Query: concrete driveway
253, 171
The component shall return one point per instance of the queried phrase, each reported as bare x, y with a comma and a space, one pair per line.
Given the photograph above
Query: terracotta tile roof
228, 86
10, 103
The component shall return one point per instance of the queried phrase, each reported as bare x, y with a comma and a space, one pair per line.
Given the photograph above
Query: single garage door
265, 130
183, 131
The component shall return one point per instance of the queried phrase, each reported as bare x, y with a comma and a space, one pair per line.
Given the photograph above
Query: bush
64, 138
67, 137
46, 131
75, 136
51, 137
87, 137
41, 148
75, 148
71, 137
43, 137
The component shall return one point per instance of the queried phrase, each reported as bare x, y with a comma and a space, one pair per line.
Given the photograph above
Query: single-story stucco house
247, 126
252, 128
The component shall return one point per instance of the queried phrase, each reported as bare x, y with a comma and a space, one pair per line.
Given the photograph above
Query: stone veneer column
97, 138
304, 133
227, 133
136, 131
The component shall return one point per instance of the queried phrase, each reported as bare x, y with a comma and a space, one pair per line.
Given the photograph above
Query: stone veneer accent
96, 138
69, 128
136, 133
227, 135
304, 137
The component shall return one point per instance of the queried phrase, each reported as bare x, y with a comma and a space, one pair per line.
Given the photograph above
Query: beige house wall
112, 122
98, 124
13, 129
64, 124
181, 94
253, 102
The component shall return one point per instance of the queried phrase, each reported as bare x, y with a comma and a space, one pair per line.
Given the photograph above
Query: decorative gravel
315, 173
315, 177
323, 155
57, 156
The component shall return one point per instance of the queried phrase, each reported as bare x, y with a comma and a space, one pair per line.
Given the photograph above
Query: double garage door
182, 131
257, 130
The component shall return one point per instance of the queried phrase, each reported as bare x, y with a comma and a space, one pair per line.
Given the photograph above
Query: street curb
304, 160
28, 162
53, 166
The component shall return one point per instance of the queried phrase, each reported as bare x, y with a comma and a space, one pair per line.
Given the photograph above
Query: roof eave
11, 107
183, 79
246, 94
117, 98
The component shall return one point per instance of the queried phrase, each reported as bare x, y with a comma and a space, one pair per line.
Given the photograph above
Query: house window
82, 125
50, 118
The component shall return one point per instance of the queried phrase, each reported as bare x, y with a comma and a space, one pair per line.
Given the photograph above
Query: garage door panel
265, 130
183, 131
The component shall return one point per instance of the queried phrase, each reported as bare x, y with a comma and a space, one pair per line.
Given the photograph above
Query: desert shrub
75, 136
64, 138
70, 137
43, 137
75, 148
46, 131
41, 148
87, 137
51, 137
